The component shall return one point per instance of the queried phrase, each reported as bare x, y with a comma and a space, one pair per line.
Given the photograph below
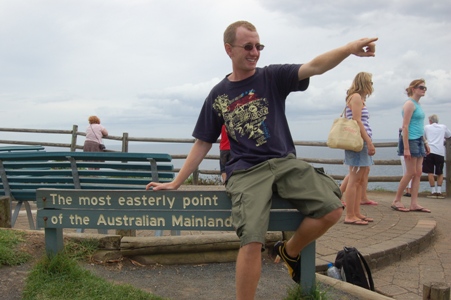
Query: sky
146, 67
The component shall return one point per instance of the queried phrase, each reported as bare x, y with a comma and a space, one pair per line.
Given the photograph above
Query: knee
334, 216
250, 250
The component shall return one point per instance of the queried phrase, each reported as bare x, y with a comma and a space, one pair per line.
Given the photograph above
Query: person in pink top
224, 152
94, 134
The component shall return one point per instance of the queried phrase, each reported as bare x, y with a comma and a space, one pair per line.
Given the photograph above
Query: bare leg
410, 165
354, 191
248, 270
364, 199
310, 230
343, 187
344, 184
431, 180
417, 163
439, 180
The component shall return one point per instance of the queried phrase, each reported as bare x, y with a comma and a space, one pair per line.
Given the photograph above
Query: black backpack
350, 261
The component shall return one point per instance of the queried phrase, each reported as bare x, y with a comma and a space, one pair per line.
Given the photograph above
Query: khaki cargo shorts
310, 190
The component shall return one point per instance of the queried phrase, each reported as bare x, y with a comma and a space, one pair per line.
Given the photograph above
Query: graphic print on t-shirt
244, 116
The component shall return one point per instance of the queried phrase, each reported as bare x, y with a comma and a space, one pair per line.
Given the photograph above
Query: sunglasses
423, 88
249, 47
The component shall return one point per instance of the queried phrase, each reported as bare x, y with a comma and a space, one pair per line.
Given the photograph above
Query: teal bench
22, 173
200, 210
21, 148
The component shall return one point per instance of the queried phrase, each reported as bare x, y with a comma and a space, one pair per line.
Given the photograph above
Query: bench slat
24, 172
113, 156
20, 168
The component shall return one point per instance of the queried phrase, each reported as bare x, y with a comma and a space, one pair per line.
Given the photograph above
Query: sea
382, 153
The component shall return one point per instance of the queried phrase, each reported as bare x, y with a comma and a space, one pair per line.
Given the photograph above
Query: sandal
400, 208
369, 202
356, 222
421, 209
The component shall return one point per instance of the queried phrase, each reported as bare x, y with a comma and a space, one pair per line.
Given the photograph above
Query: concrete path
405, 250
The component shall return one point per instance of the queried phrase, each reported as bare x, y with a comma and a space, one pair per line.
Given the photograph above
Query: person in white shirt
435, 135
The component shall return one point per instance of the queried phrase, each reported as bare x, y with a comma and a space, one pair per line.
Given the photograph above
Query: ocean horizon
382, 153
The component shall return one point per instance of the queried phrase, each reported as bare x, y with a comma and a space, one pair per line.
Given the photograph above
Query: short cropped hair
230, 32
433, 118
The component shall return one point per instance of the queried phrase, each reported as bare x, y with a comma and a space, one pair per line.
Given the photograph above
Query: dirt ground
206, 281
12, 279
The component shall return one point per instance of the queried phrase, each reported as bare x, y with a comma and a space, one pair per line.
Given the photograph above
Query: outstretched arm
364, 47
195, 157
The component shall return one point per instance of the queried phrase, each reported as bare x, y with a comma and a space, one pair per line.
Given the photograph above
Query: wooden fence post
73, 143
436, 291
125, 142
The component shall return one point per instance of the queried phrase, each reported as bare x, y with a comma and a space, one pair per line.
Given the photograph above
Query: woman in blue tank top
412, 146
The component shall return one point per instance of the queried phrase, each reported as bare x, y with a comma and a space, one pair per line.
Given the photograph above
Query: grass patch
80, 249
295, 293
61, 277
10, 255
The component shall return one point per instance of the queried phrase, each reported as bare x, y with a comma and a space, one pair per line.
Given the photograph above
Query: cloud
145, 67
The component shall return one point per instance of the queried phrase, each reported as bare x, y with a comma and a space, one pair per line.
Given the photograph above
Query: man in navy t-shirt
250, 102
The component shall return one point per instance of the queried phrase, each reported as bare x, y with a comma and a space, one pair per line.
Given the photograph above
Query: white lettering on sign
78, 220
95, 201
200, 201
201, 221
163, 201
144, 201
60, 200
141, 221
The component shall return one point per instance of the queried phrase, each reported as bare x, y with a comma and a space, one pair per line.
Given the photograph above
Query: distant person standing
359, 162
94, 134
411, 145
435, 135
224, 152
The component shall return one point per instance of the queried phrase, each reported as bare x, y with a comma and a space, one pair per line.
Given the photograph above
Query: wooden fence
73, 138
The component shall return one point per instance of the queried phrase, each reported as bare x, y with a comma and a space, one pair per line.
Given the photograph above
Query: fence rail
125, 140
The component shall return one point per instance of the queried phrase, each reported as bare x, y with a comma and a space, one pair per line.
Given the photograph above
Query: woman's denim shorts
358, 159
416, 147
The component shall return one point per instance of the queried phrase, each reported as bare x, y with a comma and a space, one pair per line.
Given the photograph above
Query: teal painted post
53, 240
308, 268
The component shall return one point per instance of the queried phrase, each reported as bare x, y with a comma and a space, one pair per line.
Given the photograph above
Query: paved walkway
405, 250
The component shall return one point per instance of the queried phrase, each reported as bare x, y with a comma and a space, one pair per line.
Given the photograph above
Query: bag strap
343, 112
94, 134
367, 268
